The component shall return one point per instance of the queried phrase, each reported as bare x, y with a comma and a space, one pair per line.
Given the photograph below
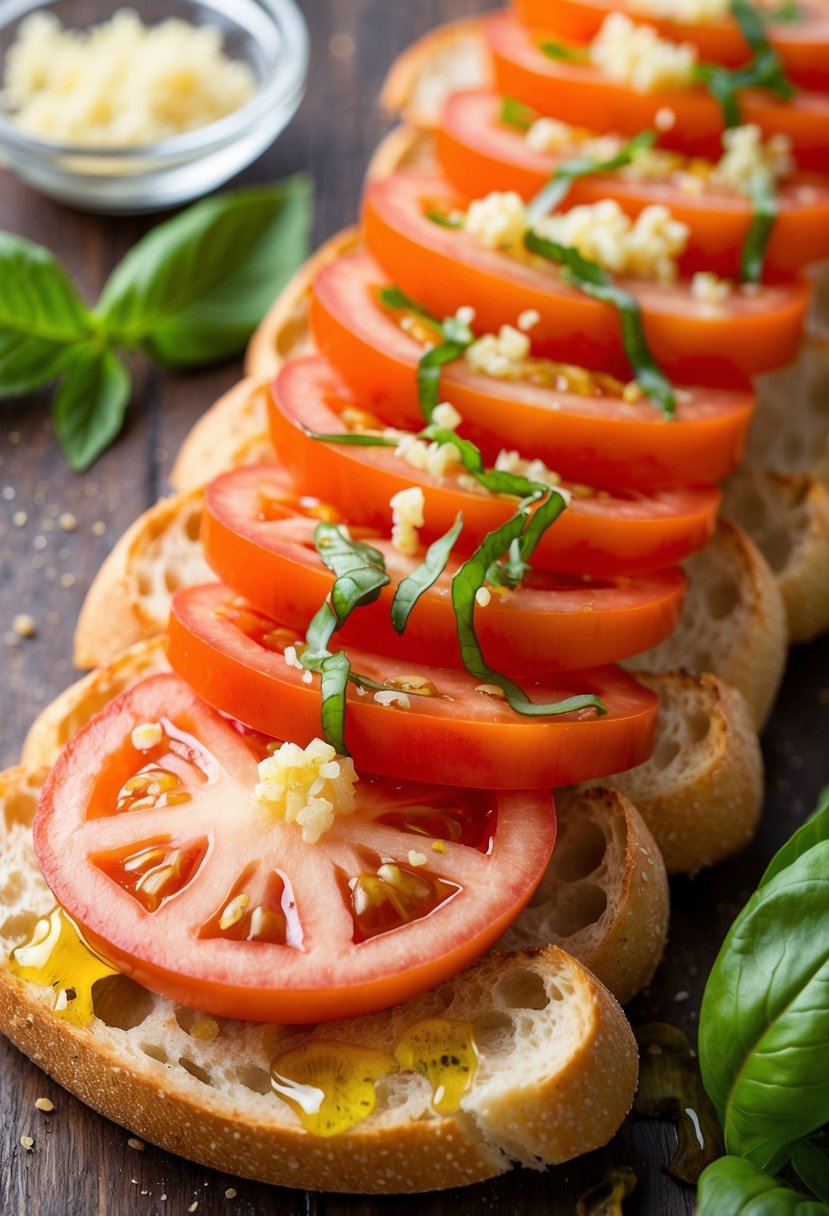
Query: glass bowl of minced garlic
113, 110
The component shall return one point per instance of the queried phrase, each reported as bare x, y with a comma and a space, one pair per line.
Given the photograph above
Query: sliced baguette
449, 58
733, 622
701, 791
787, 517
592, 902
232, 432
556, 1074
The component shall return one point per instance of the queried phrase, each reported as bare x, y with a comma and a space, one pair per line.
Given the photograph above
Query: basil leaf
734, 1187
393, 297
465, 585
88, 408
564, 53
495, 480
334, 673
355, 439
194, 288
753, 253
428, 374
442, 218
764, 1023
424, 576
568, 170
812, 832
589, 277
810, 1161
321, 629
752, 26
42, 317
515, 114
764, 71
360, 569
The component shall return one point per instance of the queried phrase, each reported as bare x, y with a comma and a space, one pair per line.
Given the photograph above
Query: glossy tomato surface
579, 93
258, 537
479, 153
598, 534
456, 733
802, 42
599, 439
154, 851
692, 341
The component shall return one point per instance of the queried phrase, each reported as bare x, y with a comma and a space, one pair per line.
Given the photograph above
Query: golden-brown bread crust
404, 147
233, 431
129, 597
451, 57
283, 333
701, 792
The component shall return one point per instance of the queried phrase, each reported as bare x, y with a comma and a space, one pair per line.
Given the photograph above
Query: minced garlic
308, 786
407, 516
498, 220
646, 247
689, 12
635, 55
747, 161
120, 84
709, 288
534, 470
502, 355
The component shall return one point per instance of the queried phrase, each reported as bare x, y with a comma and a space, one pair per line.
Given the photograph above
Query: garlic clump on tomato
635, 55
747, 161
407, 516
499, 220
308, 786
646, 247
502, 355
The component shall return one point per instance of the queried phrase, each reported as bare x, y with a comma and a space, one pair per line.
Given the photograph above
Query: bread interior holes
195, 1070
723, 598
525, 989
119, 1002
579, 851
155, 1052
576, 907
254, 1078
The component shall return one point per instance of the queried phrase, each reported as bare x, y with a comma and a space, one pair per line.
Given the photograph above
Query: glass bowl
269, 35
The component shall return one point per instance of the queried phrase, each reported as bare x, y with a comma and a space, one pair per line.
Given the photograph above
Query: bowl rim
282, 86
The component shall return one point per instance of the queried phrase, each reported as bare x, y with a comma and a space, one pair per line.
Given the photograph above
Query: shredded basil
335, 671
355, 439
441, 217
515, 114
764, 70
457, 337
567, 171
494, 480
424, 576
564, 53
466, 583
590, 278
753, 254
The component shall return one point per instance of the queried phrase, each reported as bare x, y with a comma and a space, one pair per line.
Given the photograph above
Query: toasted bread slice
592, 902
701, 791
449, 58
790, 429
787, 516
129, 600
556, 1072
733, 622
234, 431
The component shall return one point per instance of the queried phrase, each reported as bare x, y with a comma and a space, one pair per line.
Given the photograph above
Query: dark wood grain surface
80, 1163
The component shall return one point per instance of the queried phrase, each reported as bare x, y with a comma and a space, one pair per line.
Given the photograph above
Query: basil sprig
414, 585
764, 1025
589, 277
764, 70
465, 585
191, 291
573, 167
457, 337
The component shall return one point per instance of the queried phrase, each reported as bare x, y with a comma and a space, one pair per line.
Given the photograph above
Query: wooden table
81, 1163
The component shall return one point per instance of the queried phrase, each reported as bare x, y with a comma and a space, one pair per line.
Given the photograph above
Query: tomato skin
461, 738
803, 45
603, 441
579, 94
551, 625
477, 153
599, 535
443, 267
167, 950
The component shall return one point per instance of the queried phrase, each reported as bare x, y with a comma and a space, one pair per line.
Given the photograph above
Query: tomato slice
479, 153
802, 43
258, 537
601, 439
693, 342
233, 656
580, 94
600, 533
155, 881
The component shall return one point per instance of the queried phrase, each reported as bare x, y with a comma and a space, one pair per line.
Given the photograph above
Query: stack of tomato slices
441, 569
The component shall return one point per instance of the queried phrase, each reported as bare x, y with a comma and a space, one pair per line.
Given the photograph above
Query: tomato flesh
299, 951
580, 94
259, 539
599, 439
478, 153
456, 733
443, 267
802, 44
598, 534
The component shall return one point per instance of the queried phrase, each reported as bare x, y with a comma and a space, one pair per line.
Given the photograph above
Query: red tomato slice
693, 343
258, 536
580, 94
599, 534
232, 655
148, 881
601, 439
479, 153
802, 44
